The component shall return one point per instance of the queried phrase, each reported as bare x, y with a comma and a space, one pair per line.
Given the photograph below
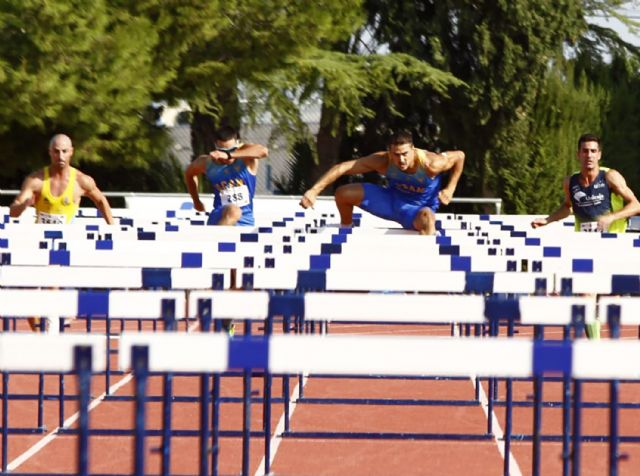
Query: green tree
92, 70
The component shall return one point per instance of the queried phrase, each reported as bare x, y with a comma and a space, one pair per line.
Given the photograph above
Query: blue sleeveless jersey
232, 184
417, 188
590, 202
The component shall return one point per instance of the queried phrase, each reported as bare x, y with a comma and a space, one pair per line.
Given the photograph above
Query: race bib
235, 195
51, 218
589, 226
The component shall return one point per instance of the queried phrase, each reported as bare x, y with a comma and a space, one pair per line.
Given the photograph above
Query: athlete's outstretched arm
454, 162
91, 190
374, 162
562, 212
250, 153
25, 197
195, 168
618, 185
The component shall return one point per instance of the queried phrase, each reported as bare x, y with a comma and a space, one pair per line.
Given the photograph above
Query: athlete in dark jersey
599, 197
414, 191
231, 168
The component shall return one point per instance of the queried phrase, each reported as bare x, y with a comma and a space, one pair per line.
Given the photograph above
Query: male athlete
599, 197
55, 191
414, 192
231, 168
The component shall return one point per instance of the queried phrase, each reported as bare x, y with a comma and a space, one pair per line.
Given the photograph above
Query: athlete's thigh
406, 213
215, 216
378, 201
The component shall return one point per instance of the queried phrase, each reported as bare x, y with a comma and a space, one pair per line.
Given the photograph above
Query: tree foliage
85, 69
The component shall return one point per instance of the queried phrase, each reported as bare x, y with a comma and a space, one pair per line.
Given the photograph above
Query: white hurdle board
54, 352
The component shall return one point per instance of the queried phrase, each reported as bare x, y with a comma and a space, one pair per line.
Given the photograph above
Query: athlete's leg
230, 215
425, 221
348, 196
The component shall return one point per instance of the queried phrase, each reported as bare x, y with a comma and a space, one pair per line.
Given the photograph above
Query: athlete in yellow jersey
55, 191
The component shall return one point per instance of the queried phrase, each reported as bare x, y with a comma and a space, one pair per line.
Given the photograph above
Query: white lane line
277, 439
498, 434
49, 437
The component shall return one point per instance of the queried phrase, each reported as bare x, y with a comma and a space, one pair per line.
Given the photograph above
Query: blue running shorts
245, 220
391, 205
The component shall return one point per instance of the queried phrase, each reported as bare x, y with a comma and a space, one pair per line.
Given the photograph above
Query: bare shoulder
85, 181
379, 158
199, 164
616, 182
613, 176
34, 181
442, 161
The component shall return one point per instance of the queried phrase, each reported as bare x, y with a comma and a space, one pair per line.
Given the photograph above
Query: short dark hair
225, 133
401, 137
588, 137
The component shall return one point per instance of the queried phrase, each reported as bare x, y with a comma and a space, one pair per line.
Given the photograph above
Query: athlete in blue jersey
414, 190
599, 197
231, 168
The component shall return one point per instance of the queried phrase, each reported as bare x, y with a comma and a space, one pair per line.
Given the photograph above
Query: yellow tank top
60, 209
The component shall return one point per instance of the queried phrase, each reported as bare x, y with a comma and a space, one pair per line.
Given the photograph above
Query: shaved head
60, 140
60, 151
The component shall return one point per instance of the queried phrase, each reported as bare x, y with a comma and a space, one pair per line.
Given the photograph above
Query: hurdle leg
168, 316
246, 407
566, 415
5, 420
215, 414
578, 323
285, 384
140, 357
493, 331
537, 413
577, 427
5, 411
82, 357
268, 380
478, 333
613, 319
107, 373
301, 329
508, 413
41, 426
204, 314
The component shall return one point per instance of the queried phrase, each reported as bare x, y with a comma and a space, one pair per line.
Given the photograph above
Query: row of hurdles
378, 260
367, 355
206, 355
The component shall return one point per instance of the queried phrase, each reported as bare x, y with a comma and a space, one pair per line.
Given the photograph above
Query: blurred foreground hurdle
414, 356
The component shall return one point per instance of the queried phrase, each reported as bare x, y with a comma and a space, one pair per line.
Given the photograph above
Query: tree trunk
328, 143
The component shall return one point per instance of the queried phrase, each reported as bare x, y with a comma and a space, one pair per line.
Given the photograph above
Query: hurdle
82, 354
415, 356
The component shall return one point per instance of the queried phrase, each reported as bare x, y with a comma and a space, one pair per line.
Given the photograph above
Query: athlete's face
229, 145
60, 152
403, 155
589, 155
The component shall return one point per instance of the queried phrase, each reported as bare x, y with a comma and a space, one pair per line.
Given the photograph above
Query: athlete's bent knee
230, 215
425, 221
352, 194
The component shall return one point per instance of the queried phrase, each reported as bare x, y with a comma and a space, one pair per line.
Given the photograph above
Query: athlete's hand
538, 222
445, 196
221, 157
308, 199
197, 204
604, 222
